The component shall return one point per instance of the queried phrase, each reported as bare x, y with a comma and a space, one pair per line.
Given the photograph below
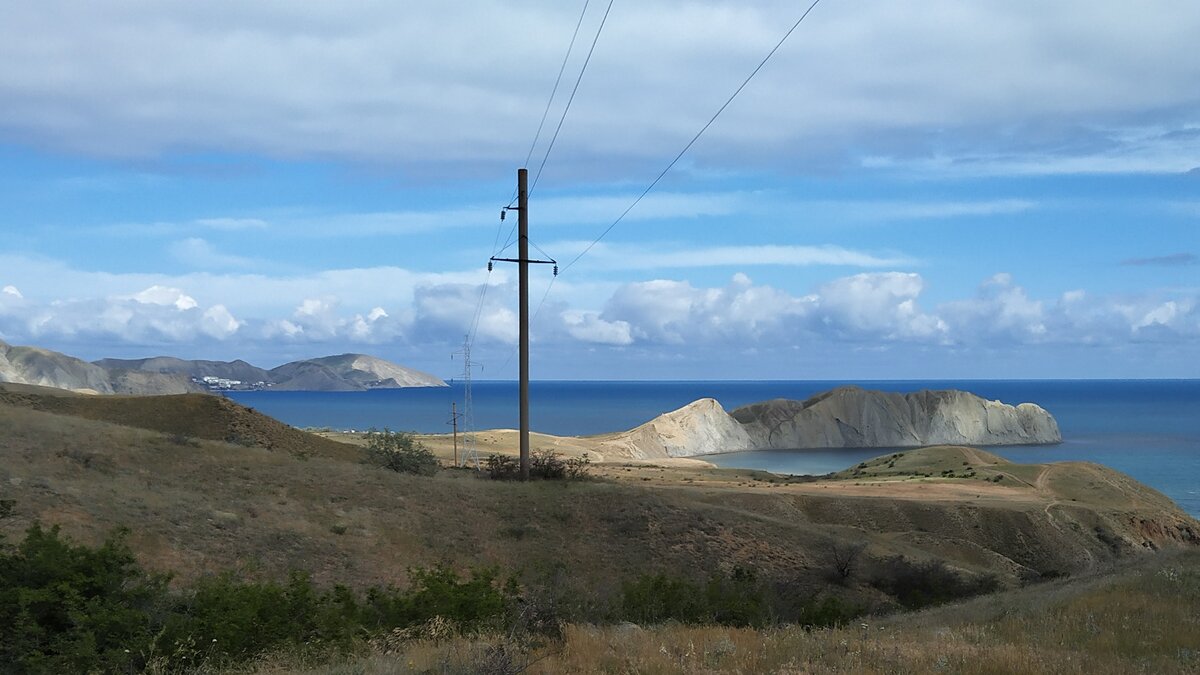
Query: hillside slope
348, 372
275, 502
42, 367
192, 416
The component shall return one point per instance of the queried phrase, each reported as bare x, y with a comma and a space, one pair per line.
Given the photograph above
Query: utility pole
523, 262
454, 421
523, 292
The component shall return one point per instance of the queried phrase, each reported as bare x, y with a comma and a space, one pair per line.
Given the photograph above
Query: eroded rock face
847, 417
699, 428
850, 417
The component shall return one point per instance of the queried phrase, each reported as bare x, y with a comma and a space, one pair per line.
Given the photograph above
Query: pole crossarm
530, 261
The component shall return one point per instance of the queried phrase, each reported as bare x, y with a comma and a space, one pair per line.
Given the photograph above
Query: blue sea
1149, 429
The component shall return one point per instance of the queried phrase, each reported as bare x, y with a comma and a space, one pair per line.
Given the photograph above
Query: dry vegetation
208, 486
1141, 618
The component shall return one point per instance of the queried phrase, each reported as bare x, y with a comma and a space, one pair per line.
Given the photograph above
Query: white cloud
165, 296
871, 310
589, 327
12, 291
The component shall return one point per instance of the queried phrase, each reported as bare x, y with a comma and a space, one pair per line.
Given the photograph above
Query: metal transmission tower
470, 454
523, 262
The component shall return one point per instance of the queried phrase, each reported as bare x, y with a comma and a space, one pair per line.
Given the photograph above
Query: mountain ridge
170, 375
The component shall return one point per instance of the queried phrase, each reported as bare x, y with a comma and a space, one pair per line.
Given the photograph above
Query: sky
994, 189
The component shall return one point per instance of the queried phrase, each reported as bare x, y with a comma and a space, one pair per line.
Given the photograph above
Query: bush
400, 451
502, 467
543, 464
68, 608
738, 599
921, 584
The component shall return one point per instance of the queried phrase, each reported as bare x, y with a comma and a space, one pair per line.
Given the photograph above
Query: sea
1149, 429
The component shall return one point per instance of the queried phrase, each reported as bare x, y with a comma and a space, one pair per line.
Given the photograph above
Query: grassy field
207, 486
1143, 617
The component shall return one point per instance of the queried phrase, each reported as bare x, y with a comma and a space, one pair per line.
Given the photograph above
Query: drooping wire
571, 98
496, 249
695, 138
557, 80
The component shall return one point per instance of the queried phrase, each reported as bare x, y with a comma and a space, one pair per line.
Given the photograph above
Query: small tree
842, 558
400, 451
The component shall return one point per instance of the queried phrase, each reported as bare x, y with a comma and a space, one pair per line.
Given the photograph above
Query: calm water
1148, 429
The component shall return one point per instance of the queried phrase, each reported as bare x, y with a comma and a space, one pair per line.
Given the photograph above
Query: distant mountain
349, 372
32, 365
230, 370
169, 375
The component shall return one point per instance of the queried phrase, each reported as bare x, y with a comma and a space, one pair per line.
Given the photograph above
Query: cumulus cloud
589, 327
154, 315
869, 310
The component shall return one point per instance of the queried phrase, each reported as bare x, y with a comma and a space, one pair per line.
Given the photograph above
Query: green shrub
502, 467
69, 608
738, 599
469, 604
400, 451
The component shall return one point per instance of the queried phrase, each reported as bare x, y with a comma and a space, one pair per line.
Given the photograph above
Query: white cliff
847, 417
699, 428
850, 417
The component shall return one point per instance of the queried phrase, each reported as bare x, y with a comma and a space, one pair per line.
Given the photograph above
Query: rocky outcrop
850, 417
699, 428
847, 417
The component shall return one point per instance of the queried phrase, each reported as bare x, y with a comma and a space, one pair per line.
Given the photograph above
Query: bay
1149, 429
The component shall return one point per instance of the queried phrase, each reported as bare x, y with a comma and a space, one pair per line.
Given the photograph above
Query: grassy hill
207, 485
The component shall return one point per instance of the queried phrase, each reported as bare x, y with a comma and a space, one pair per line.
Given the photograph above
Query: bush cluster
400, 451
739, 598
916, 584
543, 465
67, 608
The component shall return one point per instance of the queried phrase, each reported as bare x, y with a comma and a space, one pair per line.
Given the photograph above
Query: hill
169, 375
285, 499
42, 367
183, 417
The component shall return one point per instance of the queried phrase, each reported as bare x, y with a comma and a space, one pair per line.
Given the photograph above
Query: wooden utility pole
523, 291
454, 421
523, 263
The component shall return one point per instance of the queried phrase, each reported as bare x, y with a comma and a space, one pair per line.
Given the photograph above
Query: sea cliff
846, 417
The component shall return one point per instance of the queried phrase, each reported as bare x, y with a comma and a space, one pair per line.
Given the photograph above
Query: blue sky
999, 189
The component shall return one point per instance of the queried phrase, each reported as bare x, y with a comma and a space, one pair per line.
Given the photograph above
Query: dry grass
1144, 618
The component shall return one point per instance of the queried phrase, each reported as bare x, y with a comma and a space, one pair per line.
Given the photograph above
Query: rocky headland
846, 417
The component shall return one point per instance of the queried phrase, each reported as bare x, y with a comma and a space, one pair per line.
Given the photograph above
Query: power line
554, 91
695, 138
571, 99
496, 249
